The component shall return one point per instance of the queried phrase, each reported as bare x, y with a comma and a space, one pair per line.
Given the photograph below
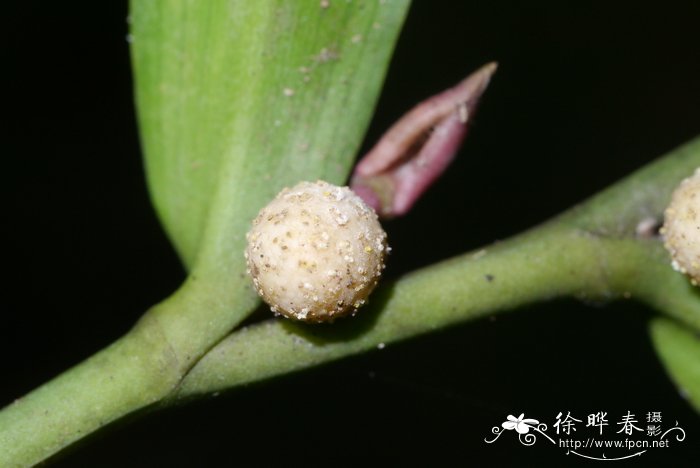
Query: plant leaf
237, 99
678, 348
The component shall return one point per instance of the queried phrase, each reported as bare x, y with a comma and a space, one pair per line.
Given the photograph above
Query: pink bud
418, 148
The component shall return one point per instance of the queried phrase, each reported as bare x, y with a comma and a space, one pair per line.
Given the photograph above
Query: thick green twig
236, 99
592, 252
544, 264
595, 251
230, 113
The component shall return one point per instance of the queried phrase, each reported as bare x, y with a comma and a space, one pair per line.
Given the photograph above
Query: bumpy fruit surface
681, 228
316, 252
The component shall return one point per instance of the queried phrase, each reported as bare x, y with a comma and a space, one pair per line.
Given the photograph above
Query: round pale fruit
681, 228
316, 252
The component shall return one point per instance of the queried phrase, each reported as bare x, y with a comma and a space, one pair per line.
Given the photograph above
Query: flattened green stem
132, 373
135, 372
593, 251
642, 196
236, 99
546, 263
540, 265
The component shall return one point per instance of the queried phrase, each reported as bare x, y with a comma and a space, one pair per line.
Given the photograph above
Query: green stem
591, 252
546, 263
130, 374
138, 370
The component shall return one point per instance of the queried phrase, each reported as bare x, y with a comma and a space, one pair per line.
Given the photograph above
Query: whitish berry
681, 228
315, 252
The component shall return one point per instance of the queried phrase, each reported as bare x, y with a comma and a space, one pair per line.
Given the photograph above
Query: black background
584, 95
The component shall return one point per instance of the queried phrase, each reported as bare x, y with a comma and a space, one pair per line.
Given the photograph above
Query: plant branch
541, 265
592, 252
132, 373
236, 99
230, 110
223, 133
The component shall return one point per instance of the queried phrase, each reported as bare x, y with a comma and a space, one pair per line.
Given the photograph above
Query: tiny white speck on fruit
681, 229
316, 252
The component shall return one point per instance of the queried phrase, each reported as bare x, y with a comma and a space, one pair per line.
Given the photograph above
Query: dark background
584, 95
